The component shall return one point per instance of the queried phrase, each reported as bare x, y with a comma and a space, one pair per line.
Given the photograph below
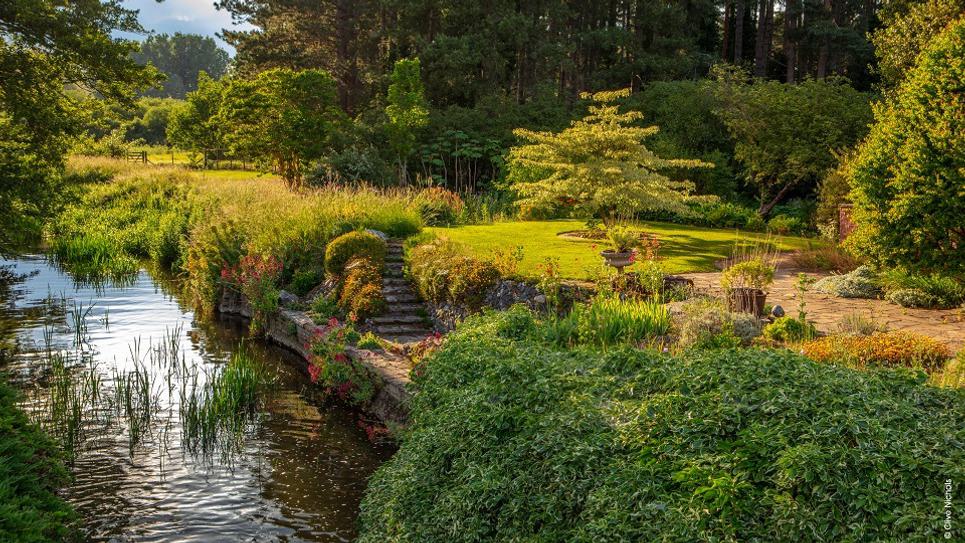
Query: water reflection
298, 475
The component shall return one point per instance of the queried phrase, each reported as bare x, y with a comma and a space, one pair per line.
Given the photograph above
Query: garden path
826, 311
405, 319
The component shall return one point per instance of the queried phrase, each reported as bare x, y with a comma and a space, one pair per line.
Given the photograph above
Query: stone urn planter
618, 260
747, 300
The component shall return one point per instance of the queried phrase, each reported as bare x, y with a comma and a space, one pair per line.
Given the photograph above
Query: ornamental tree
407, 111
598, 166
908, 178
282, 117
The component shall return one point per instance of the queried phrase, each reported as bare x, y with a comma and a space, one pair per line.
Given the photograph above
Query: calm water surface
296, 473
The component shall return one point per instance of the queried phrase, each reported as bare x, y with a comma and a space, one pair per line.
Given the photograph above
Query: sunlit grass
683, 248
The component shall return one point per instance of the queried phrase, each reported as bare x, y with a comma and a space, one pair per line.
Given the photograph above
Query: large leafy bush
908, 175
354, 244
515, 439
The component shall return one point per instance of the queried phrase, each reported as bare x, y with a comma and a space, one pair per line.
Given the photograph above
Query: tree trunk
790, 40
739, 32
725, 47
767, 207
762, 44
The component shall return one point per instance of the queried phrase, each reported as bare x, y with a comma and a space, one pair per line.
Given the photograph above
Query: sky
185, 16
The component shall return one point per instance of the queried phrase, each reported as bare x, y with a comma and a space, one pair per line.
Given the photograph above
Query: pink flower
340, 357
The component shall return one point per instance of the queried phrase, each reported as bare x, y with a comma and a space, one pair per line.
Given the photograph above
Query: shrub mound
789, 329
354, 244
860, 283
362, 290
442, 272
512, 438
883, 349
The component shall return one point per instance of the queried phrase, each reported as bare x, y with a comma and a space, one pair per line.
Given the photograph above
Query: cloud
185, 16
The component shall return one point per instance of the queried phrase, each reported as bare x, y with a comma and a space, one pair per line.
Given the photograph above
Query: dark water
295, 474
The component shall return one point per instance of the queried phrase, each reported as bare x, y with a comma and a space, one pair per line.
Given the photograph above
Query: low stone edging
295, 329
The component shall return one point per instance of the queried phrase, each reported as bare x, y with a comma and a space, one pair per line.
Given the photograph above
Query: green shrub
754, 273
303, 281
789, 330
782, 224
706, 323
860, 283
469, 280
371, 342
343, 248
514, 439
919, 290
31, 474
907, 175
362, 289
607, 321
438, 206
167, 240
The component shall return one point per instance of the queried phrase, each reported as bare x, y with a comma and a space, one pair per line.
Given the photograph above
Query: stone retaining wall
294, 330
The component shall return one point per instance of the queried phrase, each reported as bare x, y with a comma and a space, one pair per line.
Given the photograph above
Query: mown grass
512, 437
31, 472
198, 222
683, 248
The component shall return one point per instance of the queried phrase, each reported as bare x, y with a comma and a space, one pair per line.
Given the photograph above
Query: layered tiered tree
599, 166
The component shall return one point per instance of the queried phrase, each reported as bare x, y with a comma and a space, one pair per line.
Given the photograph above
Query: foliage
606, 321
335, 372
936, 290
705, 323
857, 325
303, 281
908, 29
786, 136
442, 272
439, 206
782, 224
284, 117
907, 175
31, 474
654, 447
195, 125
371, 342
362, 290
862, 282
323, 308
824, 258
354, 244
622, 239
181, 58
256, 278
898, 348
753, 273
598, 166
407, 110
789, 330
507, 260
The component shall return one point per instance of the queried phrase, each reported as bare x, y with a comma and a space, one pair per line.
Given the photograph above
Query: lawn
683, 248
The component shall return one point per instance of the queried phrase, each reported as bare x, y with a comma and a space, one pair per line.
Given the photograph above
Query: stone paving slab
826, 311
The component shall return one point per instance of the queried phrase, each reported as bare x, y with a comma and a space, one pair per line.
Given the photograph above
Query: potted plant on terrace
623, 242
744, 284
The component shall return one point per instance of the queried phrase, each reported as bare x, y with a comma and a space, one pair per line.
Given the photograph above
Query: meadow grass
198, 222
683, 248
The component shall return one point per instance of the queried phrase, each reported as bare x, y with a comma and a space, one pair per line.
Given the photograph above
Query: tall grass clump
607, 321
514, 438
217, 412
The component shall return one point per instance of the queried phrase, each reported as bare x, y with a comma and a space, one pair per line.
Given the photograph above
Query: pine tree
598, 166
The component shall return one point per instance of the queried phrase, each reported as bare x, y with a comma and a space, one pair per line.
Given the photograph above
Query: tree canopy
181, 57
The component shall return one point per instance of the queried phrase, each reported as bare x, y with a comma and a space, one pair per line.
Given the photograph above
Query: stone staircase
404, 320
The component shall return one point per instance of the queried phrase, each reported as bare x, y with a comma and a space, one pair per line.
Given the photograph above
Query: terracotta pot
617, 260
747, 300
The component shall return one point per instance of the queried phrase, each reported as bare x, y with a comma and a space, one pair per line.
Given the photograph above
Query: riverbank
31, 475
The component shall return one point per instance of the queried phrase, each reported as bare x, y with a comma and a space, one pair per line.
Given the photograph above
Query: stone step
400, 297
398, 318
406, 307
395, 265
402, 329
403, 338
397, 282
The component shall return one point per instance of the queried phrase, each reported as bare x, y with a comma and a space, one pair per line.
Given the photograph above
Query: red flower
313, 372
340, 357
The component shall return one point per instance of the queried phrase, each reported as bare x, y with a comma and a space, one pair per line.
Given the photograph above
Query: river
294, 472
